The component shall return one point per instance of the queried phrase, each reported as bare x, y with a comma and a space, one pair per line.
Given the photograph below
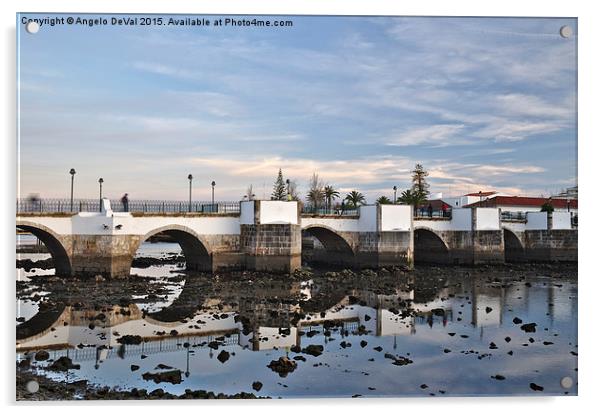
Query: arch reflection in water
255, 322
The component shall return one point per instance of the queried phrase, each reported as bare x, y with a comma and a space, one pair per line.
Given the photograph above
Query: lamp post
189, 193
72, 172
394, 194
100, 181
288, 188
212, 195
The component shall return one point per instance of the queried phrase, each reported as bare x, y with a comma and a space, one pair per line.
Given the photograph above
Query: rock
283, 366
42, 356
498, 377
529, 327
163, 366
424, 386
313, 350
535, 387
507, 339
548, 343
363, 343
488, 309
134, 367
402, 361
299, 358
296, 349
257, 385
517, 321
223, 356
447, 351
451, 333
378, 348
63, 364
213, 345
345, 344
130, 340
173, 377
492, 345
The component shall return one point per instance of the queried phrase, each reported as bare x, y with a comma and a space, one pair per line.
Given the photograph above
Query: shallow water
444, 321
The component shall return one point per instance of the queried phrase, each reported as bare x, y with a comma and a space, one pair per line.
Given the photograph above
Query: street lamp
212, 195
72, 172
394, 194
100, 181
189, 193
288, 188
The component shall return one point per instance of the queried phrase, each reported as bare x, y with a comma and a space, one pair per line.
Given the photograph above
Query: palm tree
330, 194
315, 196
383, 200
355, 198
412, 198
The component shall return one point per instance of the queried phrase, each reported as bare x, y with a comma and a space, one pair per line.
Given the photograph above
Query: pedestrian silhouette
430, 210
125, 202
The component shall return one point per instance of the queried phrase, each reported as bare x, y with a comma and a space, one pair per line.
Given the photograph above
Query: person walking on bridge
125, 202
430, 210
444, 209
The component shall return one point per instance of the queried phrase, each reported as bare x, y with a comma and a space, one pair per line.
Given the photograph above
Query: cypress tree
279, 192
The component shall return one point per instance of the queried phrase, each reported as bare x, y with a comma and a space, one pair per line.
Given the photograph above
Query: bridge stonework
271, 247
268, 236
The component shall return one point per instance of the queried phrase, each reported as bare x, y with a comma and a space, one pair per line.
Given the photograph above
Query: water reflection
457, 330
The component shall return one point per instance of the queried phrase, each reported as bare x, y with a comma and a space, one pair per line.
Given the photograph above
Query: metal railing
52, 205
434, 213
324, 211
513, 215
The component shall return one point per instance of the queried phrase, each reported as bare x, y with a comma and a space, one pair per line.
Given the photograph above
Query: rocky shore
49, 390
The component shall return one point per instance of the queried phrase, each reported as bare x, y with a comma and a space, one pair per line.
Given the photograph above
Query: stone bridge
268, 236
480, 235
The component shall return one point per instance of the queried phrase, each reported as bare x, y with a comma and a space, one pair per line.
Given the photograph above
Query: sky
482, 103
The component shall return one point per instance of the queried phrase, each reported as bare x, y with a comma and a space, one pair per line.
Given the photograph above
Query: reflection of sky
473, 99
348, 371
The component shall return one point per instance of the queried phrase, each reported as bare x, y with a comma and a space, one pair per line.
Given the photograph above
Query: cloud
432, 135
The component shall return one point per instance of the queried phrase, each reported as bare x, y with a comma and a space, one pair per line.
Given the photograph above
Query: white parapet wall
278, 212
395, 218
561, 220
349, 224
247, 212
368, 217
537, 221
487, 218
461, 220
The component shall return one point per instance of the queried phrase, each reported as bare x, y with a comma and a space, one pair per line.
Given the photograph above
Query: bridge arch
336, 249
52, 241
194, 247
429, 247
514, 250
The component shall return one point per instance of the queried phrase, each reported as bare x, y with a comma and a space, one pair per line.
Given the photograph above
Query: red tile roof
437, 204
482, 194
523, 202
